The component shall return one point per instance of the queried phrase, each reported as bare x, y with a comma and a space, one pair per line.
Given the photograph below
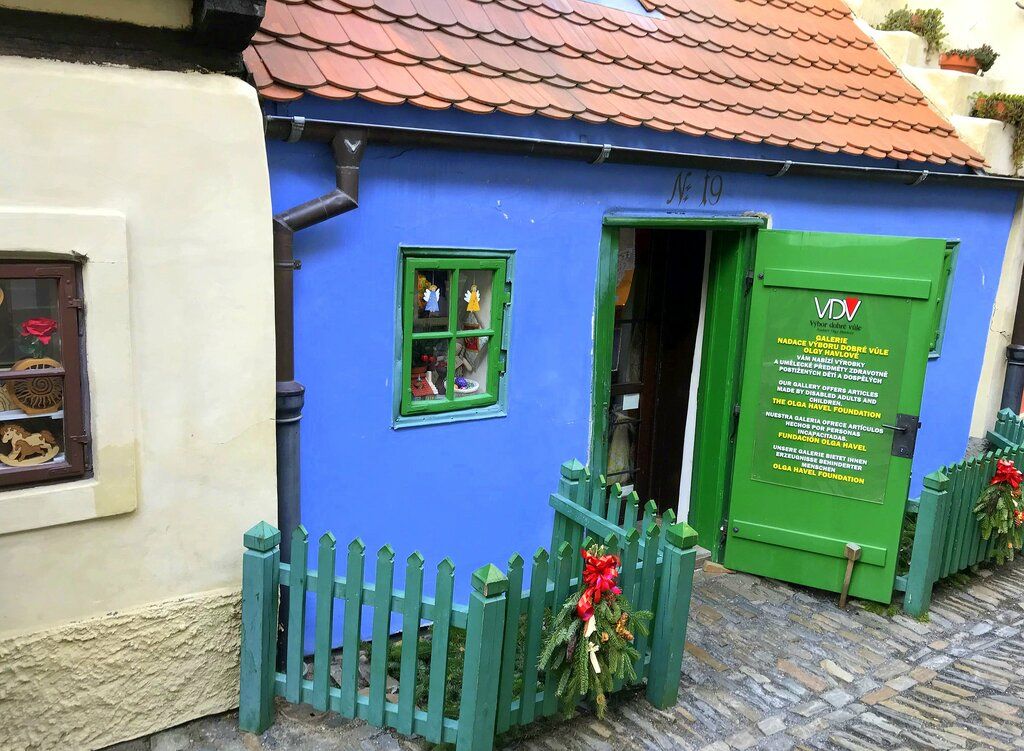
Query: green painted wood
614, 504
600, 491
630, 556
324, 620
632, 509
563, 568
383, 582
972, 533
912, 287
410, 642
929, 541
443, 590
677, 220
604, 324
534, 629
781, 537
294, 663
645, 600
260, 571
510, 642
482, 664
353, 626
668, 636
957, 475
649, 515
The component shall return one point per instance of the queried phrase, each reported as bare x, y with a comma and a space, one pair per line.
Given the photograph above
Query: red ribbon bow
600, 576
1008, 473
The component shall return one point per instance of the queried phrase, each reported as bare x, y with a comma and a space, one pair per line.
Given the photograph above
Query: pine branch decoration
999, 511
589, 643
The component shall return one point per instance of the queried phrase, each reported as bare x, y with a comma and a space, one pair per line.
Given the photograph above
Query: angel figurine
472, 298
431, 296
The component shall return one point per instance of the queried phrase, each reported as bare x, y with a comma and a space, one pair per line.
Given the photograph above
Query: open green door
837, 345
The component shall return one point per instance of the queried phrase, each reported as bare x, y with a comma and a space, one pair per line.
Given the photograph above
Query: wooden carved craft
35, 396
27, 448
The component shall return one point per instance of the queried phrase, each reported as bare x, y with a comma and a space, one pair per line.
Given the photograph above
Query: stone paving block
901, 683
810, 708
771, 725
837, 697
836, 671
922, 674
742, 740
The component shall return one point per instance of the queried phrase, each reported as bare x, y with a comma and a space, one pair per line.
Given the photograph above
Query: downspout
347, 147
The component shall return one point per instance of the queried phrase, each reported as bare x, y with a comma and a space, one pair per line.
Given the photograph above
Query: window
42, 421
942, 303
454, 312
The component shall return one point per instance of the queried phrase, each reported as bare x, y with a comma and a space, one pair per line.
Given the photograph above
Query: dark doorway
659, 298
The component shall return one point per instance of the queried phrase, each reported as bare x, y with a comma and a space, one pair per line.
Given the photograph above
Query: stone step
992, 138
949, 90
902, 47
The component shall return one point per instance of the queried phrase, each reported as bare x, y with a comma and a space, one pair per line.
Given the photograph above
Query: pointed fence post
260, 578
929, 540
673, 608
482, 663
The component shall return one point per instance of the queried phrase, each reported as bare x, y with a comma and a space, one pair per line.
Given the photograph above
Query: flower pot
998, 108
962, 63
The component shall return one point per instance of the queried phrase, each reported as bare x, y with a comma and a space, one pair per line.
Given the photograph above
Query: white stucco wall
171, 14
171, 168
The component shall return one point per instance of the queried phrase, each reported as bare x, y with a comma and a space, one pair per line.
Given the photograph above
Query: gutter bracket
784, 170
920, 178
295, 135
605, 151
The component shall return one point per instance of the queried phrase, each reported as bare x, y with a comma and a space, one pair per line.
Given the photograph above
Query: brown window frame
70, 324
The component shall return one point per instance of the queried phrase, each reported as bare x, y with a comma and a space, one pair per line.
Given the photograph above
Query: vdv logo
836, 308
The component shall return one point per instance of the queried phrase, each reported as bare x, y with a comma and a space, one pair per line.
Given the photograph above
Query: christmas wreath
999, 511
589, 645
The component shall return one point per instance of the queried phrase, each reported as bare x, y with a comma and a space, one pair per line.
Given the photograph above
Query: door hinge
86, 441
79, 305
748, 282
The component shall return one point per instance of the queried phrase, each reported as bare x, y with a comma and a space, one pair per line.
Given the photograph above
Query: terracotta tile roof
784, 72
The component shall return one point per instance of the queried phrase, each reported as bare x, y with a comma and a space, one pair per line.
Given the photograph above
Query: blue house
721, 251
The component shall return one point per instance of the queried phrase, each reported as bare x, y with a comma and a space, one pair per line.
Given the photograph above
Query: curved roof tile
794, 73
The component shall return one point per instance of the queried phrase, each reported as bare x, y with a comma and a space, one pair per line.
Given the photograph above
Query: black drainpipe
347, 146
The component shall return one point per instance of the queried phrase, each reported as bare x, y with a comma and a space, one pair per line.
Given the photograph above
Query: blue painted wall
477, 491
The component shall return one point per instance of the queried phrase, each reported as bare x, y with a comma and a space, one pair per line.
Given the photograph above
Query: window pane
429, 369
30, 441
28, 320
431, 299
471, 360
475, 289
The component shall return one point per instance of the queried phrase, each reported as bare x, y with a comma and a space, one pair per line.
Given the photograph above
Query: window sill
442, 418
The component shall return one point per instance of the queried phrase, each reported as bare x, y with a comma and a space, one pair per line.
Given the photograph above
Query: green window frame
942, 303
491, 401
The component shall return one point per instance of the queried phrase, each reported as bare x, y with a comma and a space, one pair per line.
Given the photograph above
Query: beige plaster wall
172, 14
180, 159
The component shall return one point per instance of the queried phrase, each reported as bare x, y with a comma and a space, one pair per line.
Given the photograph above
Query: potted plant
1008, 108
970, 60
927, 23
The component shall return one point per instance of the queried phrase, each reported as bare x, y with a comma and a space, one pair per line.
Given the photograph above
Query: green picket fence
947, 537
503, 622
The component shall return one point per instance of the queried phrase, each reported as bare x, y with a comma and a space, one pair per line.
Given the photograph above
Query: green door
837, 344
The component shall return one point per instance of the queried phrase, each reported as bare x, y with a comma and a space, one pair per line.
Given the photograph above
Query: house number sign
830, 376
706, 188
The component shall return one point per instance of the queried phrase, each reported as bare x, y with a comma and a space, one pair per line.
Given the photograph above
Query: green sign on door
836, 350
830, 370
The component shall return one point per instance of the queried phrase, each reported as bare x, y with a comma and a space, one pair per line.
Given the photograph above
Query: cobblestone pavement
768, 666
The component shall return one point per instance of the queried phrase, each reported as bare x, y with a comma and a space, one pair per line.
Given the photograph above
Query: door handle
904, 434
900, 428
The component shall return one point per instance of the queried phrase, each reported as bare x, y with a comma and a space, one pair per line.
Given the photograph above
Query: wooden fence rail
504, 623
947, 537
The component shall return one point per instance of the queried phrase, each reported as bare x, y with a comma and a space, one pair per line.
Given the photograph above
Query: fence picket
444, 588
599, 491
564, 564
324, 621
631, 549
956, 475
614, 503
296, 615
410, 642
382, 584
973, 530
534, 626
632, 506
969, 472
648, 580
510, 642
353, 626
